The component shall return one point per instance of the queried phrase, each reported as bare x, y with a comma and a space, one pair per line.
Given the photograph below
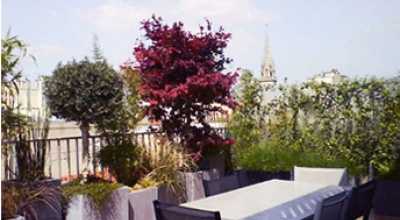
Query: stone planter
194, 183
165, 194
115, 209
387, 198
41, 209
141, 204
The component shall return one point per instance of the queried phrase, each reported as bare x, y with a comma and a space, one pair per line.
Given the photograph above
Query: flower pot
387, 198
141, 204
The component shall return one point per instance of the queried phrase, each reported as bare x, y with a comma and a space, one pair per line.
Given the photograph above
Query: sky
306, 37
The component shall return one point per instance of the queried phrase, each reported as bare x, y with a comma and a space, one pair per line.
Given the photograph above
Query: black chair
224, 184
332, 208
360, 201
171, 212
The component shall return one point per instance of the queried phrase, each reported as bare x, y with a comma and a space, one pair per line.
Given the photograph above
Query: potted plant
31, 194
91, 197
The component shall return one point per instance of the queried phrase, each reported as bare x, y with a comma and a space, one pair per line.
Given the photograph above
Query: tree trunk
85, 139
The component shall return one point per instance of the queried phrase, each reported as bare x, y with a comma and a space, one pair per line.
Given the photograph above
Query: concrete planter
194, 183
115, 209
141, 204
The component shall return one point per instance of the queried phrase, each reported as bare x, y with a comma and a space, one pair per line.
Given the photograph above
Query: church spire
268, 73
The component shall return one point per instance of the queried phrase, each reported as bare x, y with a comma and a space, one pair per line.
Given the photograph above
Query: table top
266, 200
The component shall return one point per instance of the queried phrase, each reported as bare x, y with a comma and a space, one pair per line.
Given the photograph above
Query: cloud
48, 50
115, 15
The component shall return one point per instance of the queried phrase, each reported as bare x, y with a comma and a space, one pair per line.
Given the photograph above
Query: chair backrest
332, 208
323, 176
360, 200
221, 185
171, 212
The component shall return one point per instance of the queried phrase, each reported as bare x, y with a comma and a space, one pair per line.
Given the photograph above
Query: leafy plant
182, 81
126, 161
355, 120
247, 124
21, 198
166, 164
269, 156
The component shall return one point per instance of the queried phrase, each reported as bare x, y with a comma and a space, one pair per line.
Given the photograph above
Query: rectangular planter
115, 209
141, 204
194, 183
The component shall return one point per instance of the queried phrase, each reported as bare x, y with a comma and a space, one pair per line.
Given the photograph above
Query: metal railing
64, 155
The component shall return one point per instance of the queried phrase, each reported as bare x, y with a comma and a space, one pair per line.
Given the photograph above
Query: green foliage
83, 91
13, 51
270, 156
31, 156
246, 124
357, 120
126, 161
97, 191
126, 118
166, 163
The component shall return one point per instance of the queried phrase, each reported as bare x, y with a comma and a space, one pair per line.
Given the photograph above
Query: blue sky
357, 37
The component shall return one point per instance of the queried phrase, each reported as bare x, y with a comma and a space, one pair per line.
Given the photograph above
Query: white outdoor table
274, 199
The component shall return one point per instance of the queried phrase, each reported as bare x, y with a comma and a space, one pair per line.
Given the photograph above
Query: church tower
268, 73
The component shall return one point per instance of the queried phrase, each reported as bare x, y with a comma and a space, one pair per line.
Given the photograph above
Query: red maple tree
182, 81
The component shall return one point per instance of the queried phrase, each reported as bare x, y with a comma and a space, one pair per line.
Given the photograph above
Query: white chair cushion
323, 176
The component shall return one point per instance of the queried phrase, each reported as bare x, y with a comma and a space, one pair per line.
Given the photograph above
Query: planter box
387, 198
141, 204
115, 209
42, 210
165, 194
194, 183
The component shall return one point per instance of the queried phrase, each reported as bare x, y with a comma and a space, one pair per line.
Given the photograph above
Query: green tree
86, 92
247, 121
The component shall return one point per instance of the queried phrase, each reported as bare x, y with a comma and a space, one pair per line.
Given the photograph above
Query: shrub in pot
91, 197
31, 194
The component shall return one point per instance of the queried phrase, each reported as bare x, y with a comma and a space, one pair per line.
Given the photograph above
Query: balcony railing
64, 155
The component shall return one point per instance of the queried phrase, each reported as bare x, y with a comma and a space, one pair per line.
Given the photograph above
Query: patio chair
332, 208
171, 212
323, 176
360, 201
221, 185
